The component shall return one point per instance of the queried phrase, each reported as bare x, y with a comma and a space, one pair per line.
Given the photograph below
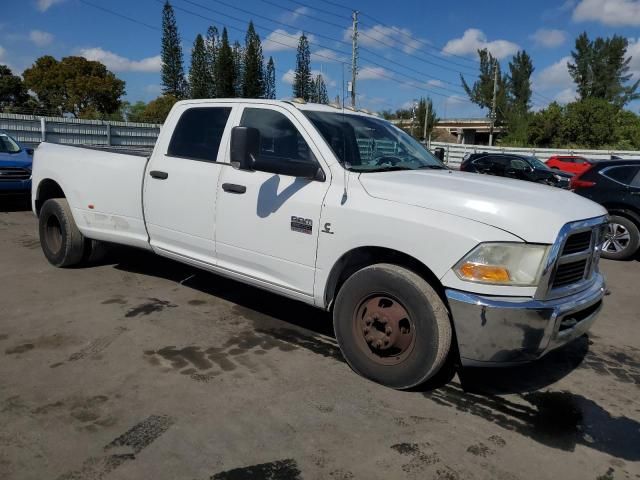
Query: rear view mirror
245, 145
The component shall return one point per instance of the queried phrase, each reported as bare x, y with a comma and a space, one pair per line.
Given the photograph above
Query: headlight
517, 264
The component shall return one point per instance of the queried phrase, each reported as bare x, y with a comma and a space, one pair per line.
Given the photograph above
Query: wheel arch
361, 257
624, 211
47, 189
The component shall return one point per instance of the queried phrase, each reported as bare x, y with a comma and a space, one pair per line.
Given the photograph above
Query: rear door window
623, 174
198, 134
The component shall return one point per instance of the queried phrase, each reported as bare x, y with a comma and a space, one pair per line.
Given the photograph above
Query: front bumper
512, 330
13, 186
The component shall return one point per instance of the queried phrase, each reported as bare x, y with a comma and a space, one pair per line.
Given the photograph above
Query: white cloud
554, 76
290, 75
473, 40
153, 88
634, 52
549, 38
44, 5
435, 83
295, 14
326, 55
121, 64
40, 38
608, 12
380, 36
280, 40
565, 96
373, 73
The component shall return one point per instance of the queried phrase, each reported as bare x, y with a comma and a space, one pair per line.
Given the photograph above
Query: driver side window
280, 140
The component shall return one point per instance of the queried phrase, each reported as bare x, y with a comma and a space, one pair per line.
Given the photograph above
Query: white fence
31, 130
454, 152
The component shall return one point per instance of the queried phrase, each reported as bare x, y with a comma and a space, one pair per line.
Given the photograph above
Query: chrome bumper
511, 330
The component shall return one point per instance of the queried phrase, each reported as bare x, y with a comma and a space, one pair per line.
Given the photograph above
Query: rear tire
622, 239
61, 241
392, 327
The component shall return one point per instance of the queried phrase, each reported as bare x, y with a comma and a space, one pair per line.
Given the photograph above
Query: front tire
61, 241
392, 327
622, 238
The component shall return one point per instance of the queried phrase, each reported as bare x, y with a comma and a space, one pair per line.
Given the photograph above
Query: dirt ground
143, 368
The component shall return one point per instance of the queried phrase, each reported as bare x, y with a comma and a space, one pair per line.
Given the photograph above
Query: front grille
14, 173
578, 242
568, 273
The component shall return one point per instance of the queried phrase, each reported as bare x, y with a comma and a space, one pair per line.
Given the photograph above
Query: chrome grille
573, 259
14, 173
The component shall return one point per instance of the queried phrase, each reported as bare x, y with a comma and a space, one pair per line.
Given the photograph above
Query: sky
408, 49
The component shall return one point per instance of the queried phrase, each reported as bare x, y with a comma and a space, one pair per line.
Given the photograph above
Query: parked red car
569, 163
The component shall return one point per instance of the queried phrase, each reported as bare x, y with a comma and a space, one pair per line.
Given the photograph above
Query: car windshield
537, 163
7, 144
365, 144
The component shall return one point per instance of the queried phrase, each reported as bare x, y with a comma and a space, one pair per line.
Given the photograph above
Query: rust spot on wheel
383, 329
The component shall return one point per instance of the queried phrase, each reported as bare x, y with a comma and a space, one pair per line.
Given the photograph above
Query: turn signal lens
484, 273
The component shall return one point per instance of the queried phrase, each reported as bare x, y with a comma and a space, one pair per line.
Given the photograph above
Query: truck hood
20, 159
531, 211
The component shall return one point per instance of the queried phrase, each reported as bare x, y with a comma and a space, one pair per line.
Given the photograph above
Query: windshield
364, 144
537, 163
7, 145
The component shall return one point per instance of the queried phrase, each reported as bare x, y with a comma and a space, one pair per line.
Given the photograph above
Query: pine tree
212, 44
225, 72
199, 81
238, 68
520, 71
254, 84
481, 92
600, 69
302, 83
270, 80
173, 82
318, 91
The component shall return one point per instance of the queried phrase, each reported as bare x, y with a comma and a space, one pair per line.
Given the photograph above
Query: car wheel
621, 239
392, 327
61, 241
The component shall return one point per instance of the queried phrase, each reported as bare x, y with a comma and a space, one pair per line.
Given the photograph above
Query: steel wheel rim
617, 238
383, 329
53, 234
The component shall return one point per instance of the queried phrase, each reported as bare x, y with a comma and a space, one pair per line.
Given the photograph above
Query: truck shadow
15, 203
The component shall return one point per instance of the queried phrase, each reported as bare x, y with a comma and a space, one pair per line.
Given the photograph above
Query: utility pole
354, 57
427, 113
494, 102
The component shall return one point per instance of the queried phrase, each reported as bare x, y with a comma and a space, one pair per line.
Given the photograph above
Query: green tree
74, 85
589, 123
270, 80
425, 104
172, 68
519, 82
321, 95
13, 93
136, 111
237, 54
254, 82
157, 110
481, 92
225, 71
302, 84
212, 45
199, 79
600, 69
545, 129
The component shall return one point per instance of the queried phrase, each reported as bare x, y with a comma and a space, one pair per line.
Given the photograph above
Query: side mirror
245, 146
439, 153
29, 151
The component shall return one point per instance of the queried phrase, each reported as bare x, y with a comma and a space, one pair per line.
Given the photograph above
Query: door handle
158, 174
635, 193
233, 188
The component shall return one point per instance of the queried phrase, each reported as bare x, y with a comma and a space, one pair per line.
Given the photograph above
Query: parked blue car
15, 166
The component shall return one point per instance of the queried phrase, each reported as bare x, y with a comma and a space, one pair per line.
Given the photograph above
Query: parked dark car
521, 167
615, 184
15, 166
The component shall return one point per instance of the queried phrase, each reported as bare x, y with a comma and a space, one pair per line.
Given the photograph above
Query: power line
107, 10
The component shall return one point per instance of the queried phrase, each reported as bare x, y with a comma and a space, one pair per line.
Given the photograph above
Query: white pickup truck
344, 211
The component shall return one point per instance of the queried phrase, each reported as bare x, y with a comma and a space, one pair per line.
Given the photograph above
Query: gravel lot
145, 368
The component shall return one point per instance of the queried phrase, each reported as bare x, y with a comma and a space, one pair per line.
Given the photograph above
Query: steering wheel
388, 159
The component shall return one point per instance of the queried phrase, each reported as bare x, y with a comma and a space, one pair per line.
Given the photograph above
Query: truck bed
103, 188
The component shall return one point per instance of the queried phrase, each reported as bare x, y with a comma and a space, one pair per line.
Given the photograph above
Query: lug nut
366, 330
379, 344
386, 341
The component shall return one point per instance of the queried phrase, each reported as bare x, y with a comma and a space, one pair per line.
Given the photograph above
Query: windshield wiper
432, 167
390, 168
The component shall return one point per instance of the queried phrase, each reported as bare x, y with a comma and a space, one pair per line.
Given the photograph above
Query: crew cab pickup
344, 211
